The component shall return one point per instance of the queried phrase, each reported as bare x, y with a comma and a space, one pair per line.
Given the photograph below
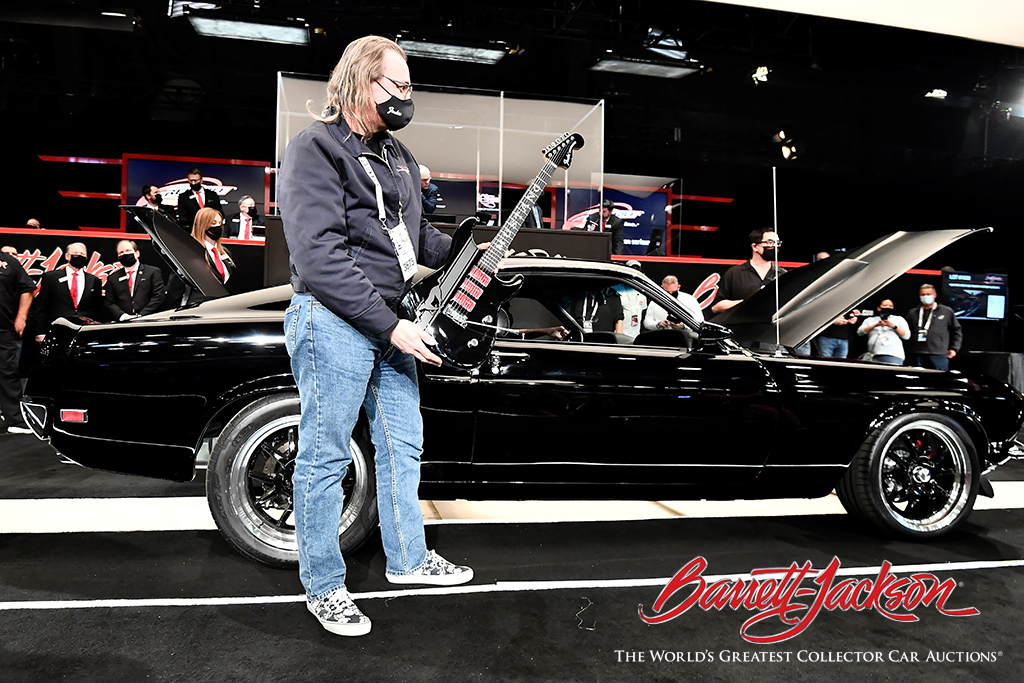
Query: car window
594, 310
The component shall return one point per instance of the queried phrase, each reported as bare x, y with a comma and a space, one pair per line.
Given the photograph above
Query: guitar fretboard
503, 240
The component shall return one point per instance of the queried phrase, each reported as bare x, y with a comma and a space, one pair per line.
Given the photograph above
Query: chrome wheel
925, 476
261, 484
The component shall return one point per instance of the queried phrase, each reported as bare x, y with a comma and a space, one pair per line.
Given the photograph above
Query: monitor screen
976, 296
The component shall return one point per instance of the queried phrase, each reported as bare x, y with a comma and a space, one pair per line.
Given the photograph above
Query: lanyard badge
399, 235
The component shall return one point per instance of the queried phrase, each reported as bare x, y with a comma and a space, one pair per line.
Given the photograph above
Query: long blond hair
202, 223
349, 91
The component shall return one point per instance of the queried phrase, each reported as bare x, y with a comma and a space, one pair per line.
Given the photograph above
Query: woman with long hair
208, 230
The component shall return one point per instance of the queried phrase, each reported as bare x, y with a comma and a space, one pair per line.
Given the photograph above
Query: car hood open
811, 297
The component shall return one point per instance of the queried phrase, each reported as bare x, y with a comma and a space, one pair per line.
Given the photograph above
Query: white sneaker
19, 430
435, 571
338, 614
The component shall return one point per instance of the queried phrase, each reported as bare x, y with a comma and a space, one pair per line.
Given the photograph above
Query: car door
624, 413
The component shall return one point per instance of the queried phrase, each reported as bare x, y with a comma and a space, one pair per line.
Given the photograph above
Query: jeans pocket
291, 322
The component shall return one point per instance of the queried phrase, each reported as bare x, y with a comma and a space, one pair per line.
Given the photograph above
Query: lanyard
920, 319
593, 311
380, 194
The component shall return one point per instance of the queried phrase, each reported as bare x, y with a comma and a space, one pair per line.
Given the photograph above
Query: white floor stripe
499, 587
191, 513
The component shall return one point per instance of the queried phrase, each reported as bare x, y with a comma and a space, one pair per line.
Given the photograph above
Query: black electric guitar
458, 303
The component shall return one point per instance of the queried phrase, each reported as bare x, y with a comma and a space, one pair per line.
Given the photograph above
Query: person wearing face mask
742, 281
935, 333
136, 289
242, 224
351, 202
194, 198
886, 333
208, 230
66, 293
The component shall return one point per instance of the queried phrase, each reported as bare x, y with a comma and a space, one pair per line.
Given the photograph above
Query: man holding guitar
350, 198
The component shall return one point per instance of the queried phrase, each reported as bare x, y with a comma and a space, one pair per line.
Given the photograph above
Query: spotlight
789, 151
937, 93
779, 137
760, 74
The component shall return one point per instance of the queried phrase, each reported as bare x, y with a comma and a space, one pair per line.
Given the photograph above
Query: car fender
228, 404
964, 415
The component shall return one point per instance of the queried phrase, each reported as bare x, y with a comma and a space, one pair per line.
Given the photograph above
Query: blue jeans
936, 361
884, 358
338, 371
830, 347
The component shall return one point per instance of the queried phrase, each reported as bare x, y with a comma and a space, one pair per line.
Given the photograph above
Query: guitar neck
503, 240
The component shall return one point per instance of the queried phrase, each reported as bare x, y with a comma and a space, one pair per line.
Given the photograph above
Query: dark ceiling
851, 93
874, 152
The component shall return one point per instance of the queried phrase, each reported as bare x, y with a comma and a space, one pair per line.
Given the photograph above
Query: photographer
885, 334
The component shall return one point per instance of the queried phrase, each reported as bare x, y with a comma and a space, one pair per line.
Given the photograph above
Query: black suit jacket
147, 297
54, 301
188, 207
233, 225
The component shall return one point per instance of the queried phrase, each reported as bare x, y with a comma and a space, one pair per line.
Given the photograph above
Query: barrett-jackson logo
783, 598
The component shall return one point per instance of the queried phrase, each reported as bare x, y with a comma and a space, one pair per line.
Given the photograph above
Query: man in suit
194, 198
137, 289
67, 293
240, 225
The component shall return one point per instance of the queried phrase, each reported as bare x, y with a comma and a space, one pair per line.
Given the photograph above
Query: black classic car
684, 413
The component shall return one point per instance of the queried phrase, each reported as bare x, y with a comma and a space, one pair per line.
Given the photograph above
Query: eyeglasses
771, 243
403, 88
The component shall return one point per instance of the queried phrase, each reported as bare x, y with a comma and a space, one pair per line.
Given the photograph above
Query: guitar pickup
471, 289
480, 276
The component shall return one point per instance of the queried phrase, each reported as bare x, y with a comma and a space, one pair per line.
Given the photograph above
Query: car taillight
74, 415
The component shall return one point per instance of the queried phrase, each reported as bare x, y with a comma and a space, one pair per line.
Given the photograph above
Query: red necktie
248, 228
199, 198
217, 262
131, 282
74, 289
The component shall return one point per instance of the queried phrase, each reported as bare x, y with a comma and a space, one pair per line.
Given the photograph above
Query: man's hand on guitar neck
508, 252
409, 338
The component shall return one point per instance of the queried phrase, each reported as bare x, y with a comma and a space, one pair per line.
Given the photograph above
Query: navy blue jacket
338, 250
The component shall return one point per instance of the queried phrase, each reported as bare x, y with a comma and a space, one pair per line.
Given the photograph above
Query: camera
884, 316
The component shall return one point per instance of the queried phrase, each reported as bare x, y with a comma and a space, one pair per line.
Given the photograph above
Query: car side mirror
712, 334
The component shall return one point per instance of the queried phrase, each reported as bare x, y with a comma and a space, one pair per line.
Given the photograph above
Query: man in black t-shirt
16, 289
742, 281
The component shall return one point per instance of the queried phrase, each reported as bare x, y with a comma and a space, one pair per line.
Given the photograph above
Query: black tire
916, 477
249, 483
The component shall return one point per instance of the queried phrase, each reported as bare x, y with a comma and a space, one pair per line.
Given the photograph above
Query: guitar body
458, 303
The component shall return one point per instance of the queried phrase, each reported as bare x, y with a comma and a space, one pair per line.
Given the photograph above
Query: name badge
922, 336
403, 249
63, 279
122, 279
588, 326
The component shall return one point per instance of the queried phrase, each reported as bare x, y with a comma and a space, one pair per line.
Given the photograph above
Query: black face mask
768, 254
252, 212
79, 261
214, 232
196, 187
396, 113
127, 260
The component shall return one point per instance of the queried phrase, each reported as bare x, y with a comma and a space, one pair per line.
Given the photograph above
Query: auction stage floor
144, 588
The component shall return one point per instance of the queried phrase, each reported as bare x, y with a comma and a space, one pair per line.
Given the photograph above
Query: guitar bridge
455, 315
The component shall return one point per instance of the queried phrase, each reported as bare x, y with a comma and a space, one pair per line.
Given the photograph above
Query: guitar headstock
560, 151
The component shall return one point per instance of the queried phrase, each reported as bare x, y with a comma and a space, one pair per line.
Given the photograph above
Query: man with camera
886, 332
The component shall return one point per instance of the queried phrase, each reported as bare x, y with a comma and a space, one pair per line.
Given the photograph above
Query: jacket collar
352, 143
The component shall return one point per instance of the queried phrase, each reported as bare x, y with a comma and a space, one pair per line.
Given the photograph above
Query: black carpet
568, 634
